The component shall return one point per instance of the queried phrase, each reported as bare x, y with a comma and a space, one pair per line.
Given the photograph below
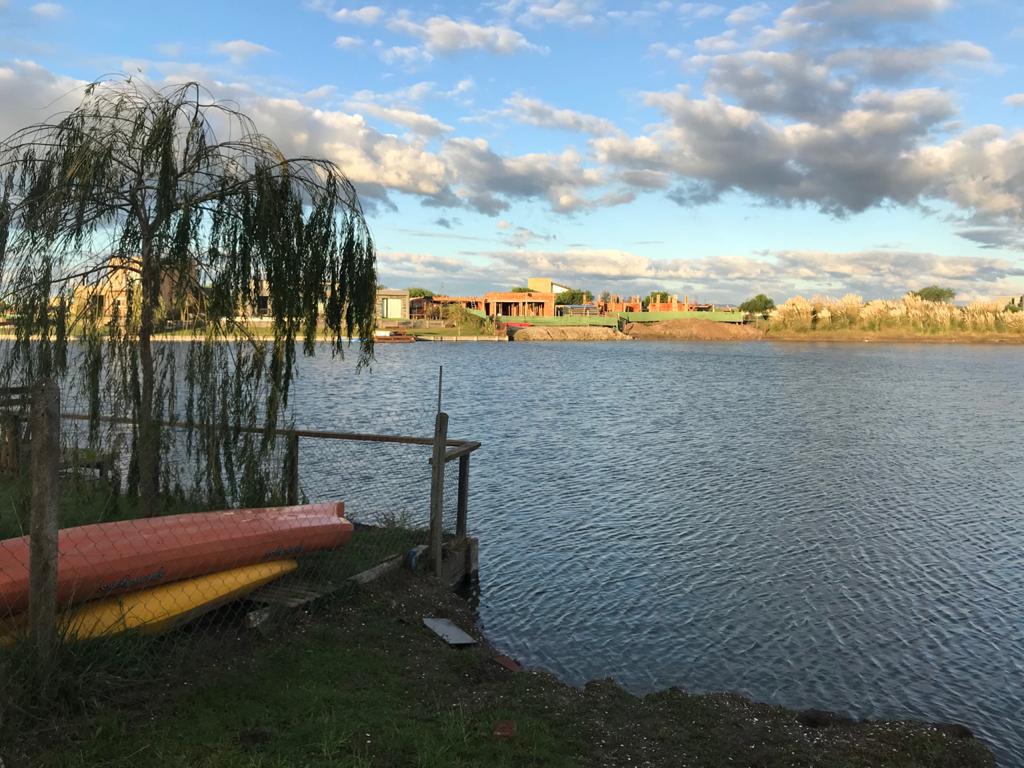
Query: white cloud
443, 35
489, 182
519, 237
567, 12
347, 43
826, 21
31, 94
368, 14
832, 10
718, 43
408, 56
539, 113
462, 173
240, 51
48, 10
747, 14
319, 93
893, 65
417, 122
980, 171
374, 161
777, 83
670, 52
171, 50
409, 94
862, 157
461, 88
701, 10
1015, 100
633, 16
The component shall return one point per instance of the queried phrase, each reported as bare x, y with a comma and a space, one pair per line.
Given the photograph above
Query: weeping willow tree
141, 208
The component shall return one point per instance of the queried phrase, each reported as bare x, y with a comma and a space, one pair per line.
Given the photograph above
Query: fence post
437, 491
462, 519
292, 496
43, 558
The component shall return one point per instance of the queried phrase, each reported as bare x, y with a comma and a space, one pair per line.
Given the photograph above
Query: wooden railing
444, 451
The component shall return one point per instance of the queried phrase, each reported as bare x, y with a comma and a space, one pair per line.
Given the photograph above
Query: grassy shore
361, 682
357, 681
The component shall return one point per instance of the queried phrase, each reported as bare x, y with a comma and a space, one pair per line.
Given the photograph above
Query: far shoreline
672, 331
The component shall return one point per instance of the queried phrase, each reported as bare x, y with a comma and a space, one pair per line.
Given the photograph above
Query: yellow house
546, 285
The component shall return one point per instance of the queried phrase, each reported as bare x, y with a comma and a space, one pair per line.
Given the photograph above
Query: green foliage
574, 297
936, 293
420, 293
606, 296
1015, 305
133, 196
467, 323
655, 297
759, 305
520, 289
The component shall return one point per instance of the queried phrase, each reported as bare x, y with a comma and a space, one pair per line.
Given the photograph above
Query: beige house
111, 295
392, 305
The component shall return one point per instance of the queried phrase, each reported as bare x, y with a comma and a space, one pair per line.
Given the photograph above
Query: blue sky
711, 149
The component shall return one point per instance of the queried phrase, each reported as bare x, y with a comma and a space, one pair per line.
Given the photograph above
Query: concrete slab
448, 632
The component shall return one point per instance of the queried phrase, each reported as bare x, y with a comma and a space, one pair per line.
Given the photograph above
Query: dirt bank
573, 333
694, 330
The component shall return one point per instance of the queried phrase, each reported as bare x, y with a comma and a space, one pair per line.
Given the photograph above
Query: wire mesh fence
221, 549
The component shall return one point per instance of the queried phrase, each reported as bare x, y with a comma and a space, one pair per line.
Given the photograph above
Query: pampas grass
911, 313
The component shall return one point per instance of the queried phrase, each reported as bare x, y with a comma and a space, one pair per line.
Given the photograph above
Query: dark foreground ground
361, 682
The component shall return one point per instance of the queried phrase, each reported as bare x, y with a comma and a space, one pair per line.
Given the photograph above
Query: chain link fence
96, 584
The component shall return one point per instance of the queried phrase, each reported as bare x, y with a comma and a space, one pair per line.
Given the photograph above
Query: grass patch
355, 684
83, 500
369, 546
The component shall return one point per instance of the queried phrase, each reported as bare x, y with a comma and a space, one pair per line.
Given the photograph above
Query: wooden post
437, 491
463, 516
42, 604
292, 496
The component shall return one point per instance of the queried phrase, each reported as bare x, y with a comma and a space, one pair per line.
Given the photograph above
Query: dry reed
910, 314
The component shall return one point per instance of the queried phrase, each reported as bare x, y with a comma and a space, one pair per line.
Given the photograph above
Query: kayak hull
160, 609
106, 559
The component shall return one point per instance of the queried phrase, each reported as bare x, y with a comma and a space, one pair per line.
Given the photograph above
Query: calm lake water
814, 525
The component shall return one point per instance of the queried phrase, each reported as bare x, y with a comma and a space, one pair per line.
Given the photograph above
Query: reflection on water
835, 526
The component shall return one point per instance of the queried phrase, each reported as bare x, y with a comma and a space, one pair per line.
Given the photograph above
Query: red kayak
111, 558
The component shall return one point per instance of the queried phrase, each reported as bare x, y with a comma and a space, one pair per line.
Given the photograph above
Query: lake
813, 525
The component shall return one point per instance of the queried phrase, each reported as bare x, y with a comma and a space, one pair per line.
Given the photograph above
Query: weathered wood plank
437, 492
43, 560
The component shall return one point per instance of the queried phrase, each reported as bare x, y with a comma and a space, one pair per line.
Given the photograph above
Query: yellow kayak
159, 609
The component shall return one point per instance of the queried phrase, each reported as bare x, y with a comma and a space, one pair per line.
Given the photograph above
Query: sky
715, 150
